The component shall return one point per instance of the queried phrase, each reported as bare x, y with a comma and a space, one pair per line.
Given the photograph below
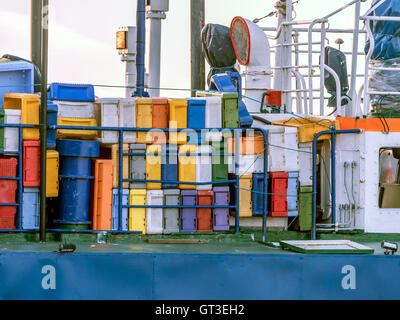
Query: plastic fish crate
160, 119
30, 208
153, 166
277, 185
52, 167
76, 133
137, 216
16, 76
203, 167
187, 166
31, 166
137, 166
144, 119
52, 110
177, 120
154, 216
102, 194
204, 215
245, 188
171, 215
29, 106
74, 109
11, 135
188, 219
221, 215
71, 92
114, 214
125, 165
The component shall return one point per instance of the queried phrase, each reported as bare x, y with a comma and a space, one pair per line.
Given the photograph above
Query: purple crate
188, 220
221, 215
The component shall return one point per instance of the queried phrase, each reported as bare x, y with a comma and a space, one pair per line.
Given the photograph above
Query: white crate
115, 112
72, 109
154, 216
305, 163
213, 116
11, 135
127, 118
203, 167
248, 164
106, 114
283, 149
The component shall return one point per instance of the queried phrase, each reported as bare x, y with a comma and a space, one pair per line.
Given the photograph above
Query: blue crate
16, 77
196, 118
114, 214
169, 166
292, 190
71, 92
30, 208
52, 110
257, 196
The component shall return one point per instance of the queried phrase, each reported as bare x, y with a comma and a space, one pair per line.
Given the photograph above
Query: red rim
234, 44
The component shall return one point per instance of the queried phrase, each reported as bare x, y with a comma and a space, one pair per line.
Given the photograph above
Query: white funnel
252, 50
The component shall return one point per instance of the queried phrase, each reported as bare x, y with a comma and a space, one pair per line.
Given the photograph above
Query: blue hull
24, 275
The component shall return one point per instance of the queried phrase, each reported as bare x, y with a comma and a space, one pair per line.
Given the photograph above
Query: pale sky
82, 35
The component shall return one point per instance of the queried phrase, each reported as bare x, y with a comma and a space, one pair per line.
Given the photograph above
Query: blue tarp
386, 33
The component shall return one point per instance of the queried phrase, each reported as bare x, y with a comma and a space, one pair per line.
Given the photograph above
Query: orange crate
102, 194
248, 145
160, 120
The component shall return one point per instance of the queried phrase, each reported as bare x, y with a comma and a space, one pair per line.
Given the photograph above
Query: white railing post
322, 72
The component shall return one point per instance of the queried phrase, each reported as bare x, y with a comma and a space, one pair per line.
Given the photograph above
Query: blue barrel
75, 179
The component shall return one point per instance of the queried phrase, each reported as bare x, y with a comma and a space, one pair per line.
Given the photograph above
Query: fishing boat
275, 178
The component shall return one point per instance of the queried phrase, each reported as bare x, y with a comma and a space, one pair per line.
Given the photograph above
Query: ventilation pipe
155, 11
252, 50
140, 46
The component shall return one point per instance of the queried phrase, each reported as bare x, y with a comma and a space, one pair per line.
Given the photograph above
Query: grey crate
171, 215
137, 166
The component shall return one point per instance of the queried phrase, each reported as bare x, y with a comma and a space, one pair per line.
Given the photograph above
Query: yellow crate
125, 165
144, 119
187, 166
29, 106
306, 130
52, 166
76, 134
153, 166
137, 216
245, 204
177, 120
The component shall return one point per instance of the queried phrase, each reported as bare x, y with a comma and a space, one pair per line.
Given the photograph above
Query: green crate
219, 167
1, 130
305, 208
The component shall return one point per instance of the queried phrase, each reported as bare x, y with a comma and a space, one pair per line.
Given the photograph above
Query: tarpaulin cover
385, 81
337, 61
386, 33
218, 49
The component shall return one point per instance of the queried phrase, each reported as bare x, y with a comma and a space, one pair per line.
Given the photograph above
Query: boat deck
218, 266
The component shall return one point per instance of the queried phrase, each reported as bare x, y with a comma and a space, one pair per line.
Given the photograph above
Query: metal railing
121, 154
307, 93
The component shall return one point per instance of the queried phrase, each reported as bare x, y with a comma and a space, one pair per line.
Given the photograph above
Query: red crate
8, 168
7, 217
204, 215
278, 184
31, 163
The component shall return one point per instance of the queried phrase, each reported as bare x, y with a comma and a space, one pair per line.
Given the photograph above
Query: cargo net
385, 81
